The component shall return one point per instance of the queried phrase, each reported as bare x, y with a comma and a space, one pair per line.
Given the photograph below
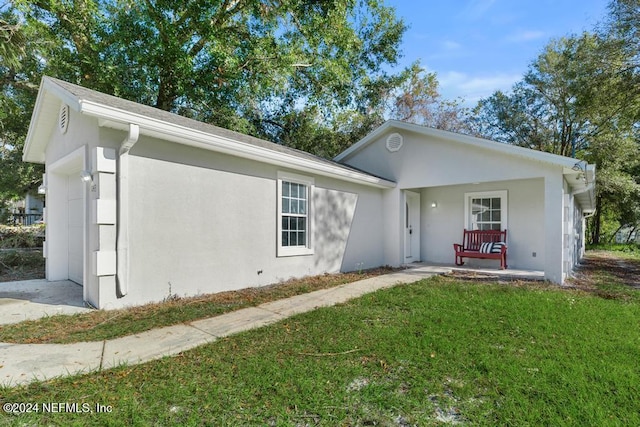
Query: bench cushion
491, 247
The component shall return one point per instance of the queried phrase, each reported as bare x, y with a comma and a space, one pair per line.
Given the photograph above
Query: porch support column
553, 222
393, 243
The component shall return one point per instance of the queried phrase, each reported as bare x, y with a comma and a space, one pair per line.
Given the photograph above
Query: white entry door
411, 227
75, 200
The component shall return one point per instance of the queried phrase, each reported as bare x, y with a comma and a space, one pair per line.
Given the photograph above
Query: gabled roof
119, 113
583, 187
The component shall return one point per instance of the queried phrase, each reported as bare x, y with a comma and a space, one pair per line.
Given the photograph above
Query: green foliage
21, 236
581, 98
259, 67
629, 248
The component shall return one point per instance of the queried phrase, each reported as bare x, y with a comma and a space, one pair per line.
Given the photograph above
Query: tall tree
226, 62
579, 98
416, 99
17, 93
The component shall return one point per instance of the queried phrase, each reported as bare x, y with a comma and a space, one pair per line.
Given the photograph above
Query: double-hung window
486, 210
294, 214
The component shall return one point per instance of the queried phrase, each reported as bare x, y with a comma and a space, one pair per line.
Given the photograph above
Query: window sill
294, 251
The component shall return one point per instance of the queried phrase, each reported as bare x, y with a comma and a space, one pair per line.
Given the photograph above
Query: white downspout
122, 241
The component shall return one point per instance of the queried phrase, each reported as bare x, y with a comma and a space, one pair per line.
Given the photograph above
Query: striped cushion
485, 248
491, 247
496, 247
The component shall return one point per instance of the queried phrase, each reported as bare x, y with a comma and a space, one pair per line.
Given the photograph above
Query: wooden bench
494, 247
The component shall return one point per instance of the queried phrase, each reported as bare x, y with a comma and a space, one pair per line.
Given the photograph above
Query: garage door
76, 227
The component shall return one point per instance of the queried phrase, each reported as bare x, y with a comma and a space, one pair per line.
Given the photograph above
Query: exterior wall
442, 226
443, 170
66, 155
433, 162
204, 222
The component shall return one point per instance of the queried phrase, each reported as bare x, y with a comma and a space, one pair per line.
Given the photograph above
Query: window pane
285, 223
302, 207
285, 188
302, 223
294, 206
486, 216
285, 205
486, 203
302, 238
495, 215
496, 203
285, 238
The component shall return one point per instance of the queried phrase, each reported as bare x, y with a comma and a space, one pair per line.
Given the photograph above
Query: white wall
204, 222
442, 226
443, 170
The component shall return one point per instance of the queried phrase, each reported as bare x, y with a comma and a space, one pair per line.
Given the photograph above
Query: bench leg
459, 260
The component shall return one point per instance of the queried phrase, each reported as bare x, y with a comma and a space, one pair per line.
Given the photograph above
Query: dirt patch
625, 271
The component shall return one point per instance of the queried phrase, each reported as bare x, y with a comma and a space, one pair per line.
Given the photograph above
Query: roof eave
119, 119
461, 138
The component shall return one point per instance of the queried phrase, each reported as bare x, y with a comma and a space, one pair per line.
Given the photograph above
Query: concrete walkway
25, 363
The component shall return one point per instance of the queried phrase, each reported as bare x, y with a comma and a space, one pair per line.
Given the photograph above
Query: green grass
630, 249
101, 325
481, 354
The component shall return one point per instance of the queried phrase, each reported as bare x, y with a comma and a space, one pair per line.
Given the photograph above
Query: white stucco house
142, 204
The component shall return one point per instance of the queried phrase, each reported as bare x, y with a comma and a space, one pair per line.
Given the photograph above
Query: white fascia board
157, 128
47, 89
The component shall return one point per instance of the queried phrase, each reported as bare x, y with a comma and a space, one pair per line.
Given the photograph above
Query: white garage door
76, 226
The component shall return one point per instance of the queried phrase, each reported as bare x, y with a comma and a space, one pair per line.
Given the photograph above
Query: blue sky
479, 46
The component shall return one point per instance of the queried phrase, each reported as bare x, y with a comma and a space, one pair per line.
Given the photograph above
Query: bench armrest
457, 247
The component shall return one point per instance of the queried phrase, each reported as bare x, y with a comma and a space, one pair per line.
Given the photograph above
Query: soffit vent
63, 119
394, 142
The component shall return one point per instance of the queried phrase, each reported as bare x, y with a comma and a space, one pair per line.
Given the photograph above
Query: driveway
33, 299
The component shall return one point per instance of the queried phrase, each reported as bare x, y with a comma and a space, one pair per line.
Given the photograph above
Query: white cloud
454, 84
451, 45
476, 9
526, 35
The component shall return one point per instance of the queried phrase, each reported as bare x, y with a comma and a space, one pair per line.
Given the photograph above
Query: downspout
122, 241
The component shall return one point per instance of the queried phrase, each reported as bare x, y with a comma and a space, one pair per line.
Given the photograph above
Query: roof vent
63, 119
394, 142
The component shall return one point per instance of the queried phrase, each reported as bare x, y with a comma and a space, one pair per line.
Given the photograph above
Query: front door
411, 227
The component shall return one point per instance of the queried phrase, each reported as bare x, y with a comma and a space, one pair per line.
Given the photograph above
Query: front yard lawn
440, 351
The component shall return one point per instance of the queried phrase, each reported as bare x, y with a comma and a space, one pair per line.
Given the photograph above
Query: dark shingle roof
83, 93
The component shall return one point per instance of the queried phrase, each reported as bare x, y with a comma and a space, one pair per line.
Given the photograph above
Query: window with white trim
486, 210
294, 219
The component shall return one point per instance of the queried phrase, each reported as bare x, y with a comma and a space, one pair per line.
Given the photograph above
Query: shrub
30, 236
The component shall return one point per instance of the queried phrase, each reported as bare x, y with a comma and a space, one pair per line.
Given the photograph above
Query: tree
16, 97
417, 100
291, 71
224, 62
579, 98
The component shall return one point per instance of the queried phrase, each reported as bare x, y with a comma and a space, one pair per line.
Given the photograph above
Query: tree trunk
595, 232
613, 236
631, 234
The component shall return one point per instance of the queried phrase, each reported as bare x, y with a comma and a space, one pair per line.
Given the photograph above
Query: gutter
122, 224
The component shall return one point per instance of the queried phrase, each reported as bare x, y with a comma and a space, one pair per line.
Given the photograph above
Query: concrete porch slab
508, 274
